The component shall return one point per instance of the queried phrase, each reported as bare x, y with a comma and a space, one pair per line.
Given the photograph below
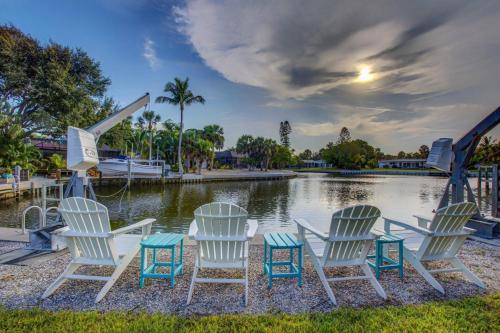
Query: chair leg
246, 284
125, 261
424, 272
191, 287
455, 262
322, 276
60, 280
378, 288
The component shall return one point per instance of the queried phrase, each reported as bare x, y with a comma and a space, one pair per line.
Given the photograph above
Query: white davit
441, 154
82, 150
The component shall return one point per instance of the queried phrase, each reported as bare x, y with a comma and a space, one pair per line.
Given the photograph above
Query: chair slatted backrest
448, 220
221, 231
351, 222
87, 217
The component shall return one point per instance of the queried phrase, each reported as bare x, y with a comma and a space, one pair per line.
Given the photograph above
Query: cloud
149, 54
435, 63
296, 51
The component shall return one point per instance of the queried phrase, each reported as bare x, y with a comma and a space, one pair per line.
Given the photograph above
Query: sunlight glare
365, 74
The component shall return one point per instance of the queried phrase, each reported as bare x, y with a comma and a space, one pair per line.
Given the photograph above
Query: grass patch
475, 314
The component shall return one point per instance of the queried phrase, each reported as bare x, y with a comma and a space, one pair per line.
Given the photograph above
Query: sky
398, 74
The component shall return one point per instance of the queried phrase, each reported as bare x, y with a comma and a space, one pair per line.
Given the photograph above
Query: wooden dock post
129, 172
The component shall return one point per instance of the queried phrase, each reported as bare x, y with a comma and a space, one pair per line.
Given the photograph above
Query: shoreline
389, 172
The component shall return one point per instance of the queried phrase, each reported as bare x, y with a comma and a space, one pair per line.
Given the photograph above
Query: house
316, 164
230, 157
52, 146
403, 163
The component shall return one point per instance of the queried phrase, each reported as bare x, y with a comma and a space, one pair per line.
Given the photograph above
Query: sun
365, 74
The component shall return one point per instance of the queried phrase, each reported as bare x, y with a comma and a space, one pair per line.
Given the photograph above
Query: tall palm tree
149, 119
179, 94
215, 134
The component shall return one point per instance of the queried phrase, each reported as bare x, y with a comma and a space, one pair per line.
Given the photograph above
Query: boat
118, 166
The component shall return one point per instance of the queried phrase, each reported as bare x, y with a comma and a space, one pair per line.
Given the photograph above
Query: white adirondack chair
92, 242
222, 232
437, 239
347, 244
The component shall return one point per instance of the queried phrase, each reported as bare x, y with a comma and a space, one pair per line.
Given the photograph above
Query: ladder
50, 194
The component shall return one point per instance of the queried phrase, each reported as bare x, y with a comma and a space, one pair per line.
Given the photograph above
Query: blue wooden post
141, 275
270, 283
172, 268
265, 256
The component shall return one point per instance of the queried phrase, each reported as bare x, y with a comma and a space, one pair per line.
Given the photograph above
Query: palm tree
215, 134
179, 94
149, 119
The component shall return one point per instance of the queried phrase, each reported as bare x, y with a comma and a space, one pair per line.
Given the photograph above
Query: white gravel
22, 287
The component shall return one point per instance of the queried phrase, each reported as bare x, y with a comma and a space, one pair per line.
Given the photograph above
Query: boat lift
81, 156
454, 159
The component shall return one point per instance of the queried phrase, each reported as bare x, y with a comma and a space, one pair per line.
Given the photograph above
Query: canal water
273, 203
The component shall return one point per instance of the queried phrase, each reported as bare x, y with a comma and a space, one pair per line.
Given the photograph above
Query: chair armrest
420, 230
370, 236
252, 228
72, 233
193, 229
303, 223
469, 231
422, 221
144, 224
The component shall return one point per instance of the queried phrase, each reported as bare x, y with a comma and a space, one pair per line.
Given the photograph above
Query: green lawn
476, 314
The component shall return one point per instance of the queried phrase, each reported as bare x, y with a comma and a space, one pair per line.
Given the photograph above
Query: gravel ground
22, 287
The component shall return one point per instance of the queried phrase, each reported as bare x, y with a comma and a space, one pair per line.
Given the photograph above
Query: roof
405, 160
228, 154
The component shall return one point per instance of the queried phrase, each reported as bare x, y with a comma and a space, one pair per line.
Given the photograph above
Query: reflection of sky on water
273, 203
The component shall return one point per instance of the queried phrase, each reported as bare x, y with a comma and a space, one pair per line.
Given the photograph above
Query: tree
149, 119
401, 154
344, 136
285, 130
179, 94
49, 86
215, 134
306, 155
423, 151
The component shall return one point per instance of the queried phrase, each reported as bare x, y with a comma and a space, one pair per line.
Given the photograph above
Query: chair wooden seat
437, 239
346, 244
92, 242
221, 231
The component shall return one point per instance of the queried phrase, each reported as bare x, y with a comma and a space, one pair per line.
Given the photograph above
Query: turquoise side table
382, 262
282, 241
155, 243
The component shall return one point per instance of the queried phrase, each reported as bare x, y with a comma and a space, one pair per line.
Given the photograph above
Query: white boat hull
115, 167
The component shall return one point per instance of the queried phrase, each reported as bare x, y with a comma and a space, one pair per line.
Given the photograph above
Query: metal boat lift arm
463, 151
105, 125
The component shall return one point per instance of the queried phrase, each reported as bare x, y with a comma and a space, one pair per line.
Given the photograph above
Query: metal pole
495, 196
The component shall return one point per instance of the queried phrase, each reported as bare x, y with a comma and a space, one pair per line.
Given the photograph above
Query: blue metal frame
176, 268
292, 244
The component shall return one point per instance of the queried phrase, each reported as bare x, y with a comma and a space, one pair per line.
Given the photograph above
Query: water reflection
273, 203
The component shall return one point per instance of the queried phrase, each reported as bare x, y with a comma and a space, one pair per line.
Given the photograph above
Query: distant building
316, 164
403, 163
51, 146
230, 157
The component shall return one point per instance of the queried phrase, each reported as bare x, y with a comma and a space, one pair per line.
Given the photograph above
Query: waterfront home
231, 158
316, 164
403, 163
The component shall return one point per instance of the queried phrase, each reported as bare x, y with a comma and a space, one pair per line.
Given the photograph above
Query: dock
32, 187
207, 176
